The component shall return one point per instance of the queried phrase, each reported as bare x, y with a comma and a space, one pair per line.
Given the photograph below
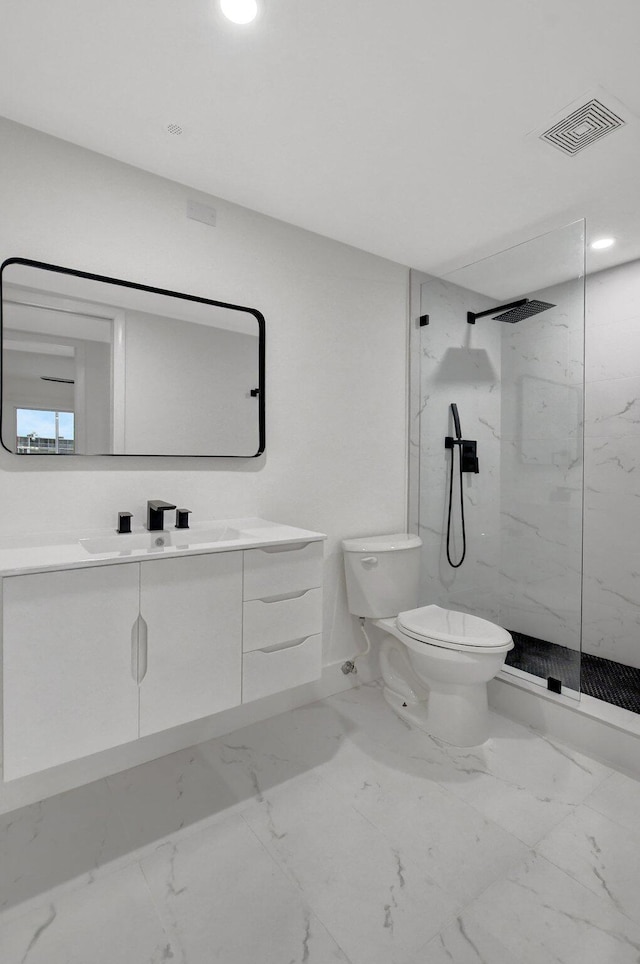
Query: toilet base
469, 729
413, 713
455, 713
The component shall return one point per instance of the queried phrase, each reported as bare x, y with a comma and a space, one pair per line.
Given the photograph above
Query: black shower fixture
513, 312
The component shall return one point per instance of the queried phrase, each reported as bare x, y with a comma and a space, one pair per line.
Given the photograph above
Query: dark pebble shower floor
602, 678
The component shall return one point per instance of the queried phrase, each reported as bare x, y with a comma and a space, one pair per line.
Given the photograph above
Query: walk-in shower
520, 391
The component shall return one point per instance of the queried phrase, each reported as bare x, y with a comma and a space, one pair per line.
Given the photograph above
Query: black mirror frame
158, 291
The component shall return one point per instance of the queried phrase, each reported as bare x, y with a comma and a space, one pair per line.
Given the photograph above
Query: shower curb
607, 733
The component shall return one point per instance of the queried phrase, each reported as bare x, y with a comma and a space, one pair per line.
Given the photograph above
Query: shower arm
472, 315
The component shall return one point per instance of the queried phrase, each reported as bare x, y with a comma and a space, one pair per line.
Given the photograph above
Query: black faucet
155, 514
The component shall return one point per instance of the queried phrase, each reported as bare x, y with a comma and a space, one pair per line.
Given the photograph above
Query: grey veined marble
334, 833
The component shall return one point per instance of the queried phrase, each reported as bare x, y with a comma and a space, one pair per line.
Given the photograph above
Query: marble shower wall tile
458, 363
541, 480
613, 407
611, 628
615, 352
612, 465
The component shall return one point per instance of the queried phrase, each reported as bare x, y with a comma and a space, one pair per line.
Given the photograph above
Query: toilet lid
452, 627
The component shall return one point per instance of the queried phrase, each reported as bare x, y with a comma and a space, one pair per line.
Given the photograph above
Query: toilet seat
450, 629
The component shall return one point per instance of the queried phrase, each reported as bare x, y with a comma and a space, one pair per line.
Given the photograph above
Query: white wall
612, 466
177, 368
336, 321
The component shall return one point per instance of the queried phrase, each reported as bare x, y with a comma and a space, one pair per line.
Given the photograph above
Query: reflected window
43, 432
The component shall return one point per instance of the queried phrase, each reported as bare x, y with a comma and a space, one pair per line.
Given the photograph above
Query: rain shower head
513, 312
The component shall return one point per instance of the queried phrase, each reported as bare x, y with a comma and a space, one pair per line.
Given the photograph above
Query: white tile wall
612, 466
461, 364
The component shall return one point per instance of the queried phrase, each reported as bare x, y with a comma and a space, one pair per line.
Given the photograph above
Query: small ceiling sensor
239, 11
174, 129
602, 243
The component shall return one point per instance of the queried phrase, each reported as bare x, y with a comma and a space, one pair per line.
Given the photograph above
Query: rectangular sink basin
126, 543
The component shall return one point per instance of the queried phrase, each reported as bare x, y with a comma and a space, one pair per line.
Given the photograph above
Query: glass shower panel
518, 383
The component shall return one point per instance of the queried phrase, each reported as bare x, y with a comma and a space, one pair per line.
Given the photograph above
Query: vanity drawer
270, 621
266, 671
275, 570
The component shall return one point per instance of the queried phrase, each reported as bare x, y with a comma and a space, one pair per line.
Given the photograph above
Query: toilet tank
383, 574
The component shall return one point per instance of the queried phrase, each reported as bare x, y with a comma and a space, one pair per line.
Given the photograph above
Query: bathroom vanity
108, 638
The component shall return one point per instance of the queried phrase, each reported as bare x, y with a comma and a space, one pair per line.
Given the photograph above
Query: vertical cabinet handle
142, 650
135, 648
139, 649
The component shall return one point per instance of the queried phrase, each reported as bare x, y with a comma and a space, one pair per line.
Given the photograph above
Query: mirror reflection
97, 366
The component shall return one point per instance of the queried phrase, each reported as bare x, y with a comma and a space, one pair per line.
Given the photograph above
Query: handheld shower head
456, 420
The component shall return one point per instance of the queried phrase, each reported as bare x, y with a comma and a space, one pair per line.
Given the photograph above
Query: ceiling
407, 128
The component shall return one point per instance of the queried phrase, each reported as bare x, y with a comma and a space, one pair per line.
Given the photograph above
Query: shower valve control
468, 452
469, 457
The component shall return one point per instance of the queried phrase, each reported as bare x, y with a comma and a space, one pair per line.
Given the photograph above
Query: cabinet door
192, 608
68, 685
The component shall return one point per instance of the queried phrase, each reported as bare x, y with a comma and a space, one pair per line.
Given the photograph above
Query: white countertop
103, 547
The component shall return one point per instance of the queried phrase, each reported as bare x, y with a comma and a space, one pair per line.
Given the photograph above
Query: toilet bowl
446, 658
435, 662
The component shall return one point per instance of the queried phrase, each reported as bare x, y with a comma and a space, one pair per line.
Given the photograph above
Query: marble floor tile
522, 780
223, 899
600, 854
618, 798
344, 733
541, 914
455, 844
61, 838
252, 760
332, 833
463, 943
112, 920
177, 792
376, 900
167, 795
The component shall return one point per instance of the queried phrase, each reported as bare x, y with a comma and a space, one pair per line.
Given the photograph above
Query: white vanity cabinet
192, 608
282, 638
67, 661
100, 654
97, 657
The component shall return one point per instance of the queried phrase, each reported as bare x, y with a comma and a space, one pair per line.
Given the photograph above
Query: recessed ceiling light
239, 11
602, 243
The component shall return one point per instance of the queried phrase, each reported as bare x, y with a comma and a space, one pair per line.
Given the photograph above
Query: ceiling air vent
582, 127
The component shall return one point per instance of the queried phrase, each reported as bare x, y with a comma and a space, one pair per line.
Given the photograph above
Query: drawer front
275, 570
267, 622
265, 672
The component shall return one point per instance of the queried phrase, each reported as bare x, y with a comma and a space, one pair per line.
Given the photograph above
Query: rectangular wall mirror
97, 366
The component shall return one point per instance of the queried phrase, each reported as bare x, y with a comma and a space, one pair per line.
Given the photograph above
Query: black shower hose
456, 565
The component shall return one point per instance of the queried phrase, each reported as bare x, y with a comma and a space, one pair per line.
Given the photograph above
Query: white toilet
437, 666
